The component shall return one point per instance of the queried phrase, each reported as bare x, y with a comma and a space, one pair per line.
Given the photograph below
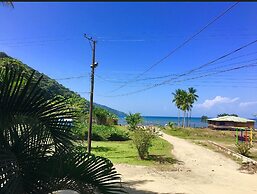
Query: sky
133, 37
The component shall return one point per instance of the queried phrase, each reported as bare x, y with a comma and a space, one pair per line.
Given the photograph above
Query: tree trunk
190, 118
178, 118
184, 120
187, 119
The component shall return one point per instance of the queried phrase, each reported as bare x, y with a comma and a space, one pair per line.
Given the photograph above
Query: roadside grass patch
125, 152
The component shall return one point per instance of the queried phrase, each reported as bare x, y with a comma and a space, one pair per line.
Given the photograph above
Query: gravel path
203, 172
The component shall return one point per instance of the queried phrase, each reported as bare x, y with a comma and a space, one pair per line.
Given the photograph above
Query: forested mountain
51, 86
116, 112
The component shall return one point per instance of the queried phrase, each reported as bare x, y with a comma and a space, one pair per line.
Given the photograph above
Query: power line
159, 84
180, 46
190, 71
209, 63
118, 81
74, 77
173, 75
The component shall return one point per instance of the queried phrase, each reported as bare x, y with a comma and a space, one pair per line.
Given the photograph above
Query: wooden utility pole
93, 65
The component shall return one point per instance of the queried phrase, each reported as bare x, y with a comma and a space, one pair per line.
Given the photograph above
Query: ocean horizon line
191, 116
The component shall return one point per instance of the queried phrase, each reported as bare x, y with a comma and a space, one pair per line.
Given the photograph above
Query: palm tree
133, 120
177, 99
185, 104
192, 97
37, 154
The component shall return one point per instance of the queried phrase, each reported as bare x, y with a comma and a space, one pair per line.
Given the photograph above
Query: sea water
157, 120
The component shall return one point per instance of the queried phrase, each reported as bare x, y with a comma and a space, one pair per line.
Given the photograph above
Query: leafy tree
204, 119
80, 107
133, 120
37, 154
103, 117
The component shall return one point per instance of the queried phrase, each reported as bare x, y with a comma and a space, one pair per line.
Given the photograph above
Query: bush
244, 148
171, 124
142, 138
108, 133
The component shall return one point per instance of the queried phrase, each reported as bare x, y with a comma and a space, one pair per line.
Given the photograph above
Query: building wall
212, 124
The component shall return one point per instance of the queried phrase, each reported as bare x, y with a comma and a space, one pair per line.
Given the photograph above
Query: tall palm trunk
184, 121
187, 119
178, 117
190, 112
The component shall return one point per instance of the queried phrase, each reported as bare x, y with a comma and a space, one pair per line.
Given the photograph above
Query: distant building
230, 123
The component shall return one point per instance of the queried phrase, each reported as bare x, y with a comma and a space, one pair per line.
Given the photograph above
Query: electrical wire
159, 84
180, 46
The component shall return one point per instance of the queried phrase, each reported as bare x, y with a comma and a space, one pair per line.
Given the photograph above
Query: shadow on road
129, 184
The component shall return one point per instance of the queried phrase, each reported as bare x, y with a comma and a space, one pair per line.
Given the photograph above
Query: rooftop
232, 119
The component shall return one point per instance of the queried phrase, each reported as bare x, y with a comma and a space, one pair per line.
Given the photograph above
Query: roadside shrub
142, 138
119, 135
108, 133
171, 124
244, 148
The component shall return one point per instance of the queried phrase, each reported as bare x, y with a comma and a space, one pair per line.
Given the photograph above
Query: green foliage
36, 143
204, 119
51, 88
244, 148
171, 124
113, 111
184, 100
225, 114
133, 120
142, 139
108, 133
103, 117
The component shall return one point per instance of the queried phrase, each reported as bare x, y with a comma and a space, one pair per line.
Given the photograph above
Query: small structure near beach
230, 123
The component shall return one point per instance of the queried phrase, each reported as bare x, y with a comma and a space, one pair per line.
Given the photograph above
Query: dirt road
203, 172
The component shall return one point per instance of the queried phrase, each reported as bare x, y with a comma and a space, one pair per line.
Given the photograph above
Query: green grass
125, 152
202, 134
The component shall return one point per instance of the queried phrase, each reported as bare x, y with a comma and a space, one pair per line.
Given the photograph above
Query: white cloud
217, 100
245, 104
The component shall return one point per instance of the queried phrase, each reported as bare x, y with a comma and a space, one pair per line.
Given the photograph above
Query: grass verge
125, 152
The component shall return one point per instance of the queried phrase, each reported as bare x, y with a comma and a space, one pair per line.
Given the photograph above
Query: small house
230, 123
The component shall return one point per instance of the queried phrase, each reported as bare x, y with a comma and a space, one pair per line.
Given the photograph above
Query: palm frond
36, 150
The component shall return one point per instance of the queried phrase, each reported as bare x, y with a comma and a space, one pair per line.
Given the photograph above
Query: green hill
51, 86
116, 112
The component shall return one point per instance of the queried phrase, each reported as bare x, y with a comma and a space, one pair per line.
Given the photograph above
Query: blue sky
133, 36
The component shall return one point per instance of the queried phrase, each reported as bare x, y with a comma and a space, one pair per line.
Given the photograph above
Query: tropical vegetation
184, 101
108, 133
204, 119
37, 151
142, 139
133, 120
